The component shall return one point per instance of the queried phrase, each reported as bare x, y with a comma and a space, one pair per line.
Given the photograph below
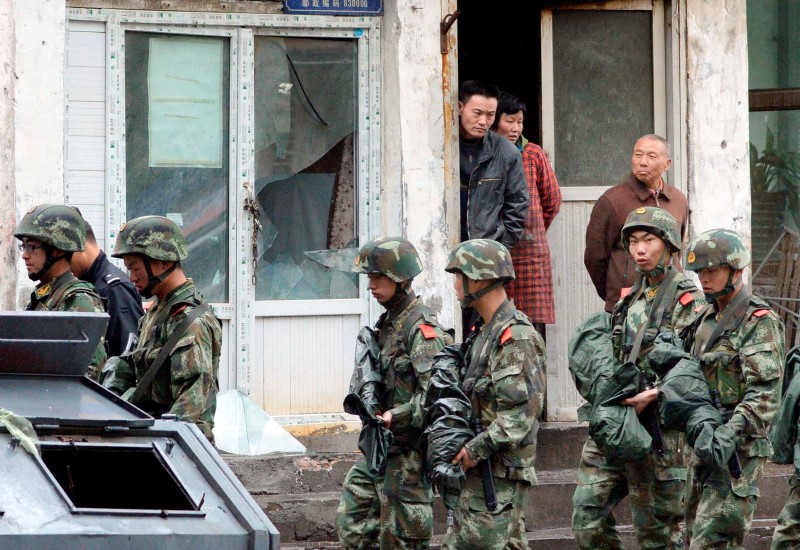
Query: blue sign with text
334, 7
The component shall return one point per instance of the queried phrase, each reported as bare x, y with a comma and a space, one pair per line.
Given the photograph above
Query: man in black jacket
494, 195
123, 304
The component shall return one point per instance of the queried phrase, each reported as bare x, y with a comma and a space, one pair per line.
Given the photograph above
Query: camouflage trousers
475, 527
655, 486
719, 509
393, 510
787, 532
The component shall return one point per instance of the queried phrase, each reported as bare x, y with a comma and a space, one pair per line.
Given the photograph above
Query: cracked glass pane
305, 113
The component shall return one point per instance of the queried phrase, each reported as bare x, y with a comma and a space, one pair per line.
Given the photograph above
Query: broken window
305, 149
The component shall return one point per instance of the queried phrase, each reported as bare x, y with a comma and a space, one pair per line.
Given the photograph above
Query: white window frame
242, 308
592, 193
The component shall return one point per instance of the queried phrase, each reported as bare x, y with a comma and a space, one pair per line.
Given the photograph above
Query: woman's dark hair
508, 104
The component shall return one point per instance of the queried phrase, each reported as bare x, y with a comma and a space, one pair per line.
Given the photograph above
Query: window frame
592, 193
241, 310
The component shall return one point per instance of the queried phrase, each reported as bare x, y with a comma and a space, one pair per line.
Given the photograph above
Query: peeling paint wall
36, 123
414, 191
7, 213
717, 120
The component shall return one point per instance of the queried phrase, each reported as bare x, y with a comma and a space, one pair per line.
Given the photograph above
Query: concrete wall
717, 119
32, 45
7, 210
415, 190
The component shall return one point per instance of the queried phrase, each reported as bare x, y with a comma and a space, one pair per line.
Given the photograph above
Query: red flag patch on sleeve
686, 299
506, 336
624, 292
760, 312
428, 331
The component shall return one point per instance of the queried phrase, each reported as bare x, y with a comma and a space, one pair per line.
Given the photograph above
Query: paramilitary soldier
394, 509
504, 380
661, 299
739, 342
172, 368
50, 234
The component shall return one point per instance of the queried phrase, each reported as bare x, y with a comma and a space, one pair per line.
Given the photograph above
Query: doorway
502, 46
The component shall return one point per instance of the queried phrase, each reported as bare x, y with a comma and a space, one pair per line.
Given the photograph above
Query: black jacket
123, 304
498, 196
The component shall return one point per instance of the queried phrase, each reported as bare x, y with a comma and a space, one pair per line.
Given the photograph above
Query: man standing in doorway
123, 304
608, 263
494, 195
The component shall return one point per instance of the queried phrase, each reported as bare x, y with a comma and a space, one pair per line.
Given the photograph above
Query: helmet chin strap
400, 291
470, 298
660, 268
49, 261
154, 280
727, 289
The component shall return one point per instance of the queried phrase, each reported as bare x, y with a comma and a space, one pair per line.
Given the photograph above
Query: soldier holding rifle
739, 342
662, 299
504, 380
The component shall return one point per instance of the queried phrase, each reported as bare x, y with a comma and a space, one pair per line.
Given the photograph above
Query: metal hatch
43, 357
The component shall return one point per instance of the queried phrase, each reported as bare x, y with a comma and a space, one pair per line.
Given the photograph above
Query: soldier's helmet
480, 260
656, 221
394, 257
717, 247
57, 225
155, 237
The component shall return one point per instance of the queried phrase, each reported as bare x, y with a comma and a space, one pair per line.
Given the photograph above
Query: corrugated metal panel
86, 123
303, 364
575, 298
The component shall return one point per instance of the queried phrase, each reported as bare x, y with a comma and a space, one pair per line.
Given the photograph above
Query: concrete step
301, 493
759, 538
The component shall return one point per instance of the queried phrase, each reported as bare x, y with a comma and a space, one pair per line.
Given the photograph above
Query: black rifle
486, 474
649, 418
734, 467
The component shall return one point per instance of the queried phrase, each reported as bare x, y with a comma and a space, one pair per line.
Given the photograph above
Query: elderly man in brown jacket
608, 263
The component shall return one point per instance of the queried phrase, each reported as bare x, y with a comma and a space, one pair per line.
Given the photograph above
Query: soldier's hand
465, 460
641, 400
386, 417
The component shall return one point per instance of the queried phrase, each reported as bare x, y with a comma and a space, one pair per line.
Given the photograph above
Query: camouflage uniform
656, 483
62, 227
745, 364
504, 379
394, 509
186, 385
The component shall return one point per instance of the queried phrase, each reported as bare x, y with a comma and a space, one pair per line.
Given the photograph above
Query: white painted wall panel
575, 298
85, 79
303, 364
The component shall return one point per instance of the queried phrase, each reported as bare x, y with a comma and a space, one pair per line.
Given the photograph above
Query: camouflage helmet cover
57, 225
481, 260
656, 221
394, 257
717, 247
155, 237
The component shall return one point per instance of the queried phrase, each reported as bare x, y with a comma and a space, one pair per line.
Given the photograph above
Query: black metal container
108, 476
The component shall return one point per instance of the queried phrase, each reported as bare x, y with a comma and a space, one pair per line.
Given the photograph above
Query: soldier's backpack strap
420, 313
73, 285
732, 317
656, 311
166, 351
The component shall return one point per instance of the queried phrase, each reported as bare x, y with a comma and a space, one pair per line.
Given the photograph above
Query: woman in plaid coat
532, 290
